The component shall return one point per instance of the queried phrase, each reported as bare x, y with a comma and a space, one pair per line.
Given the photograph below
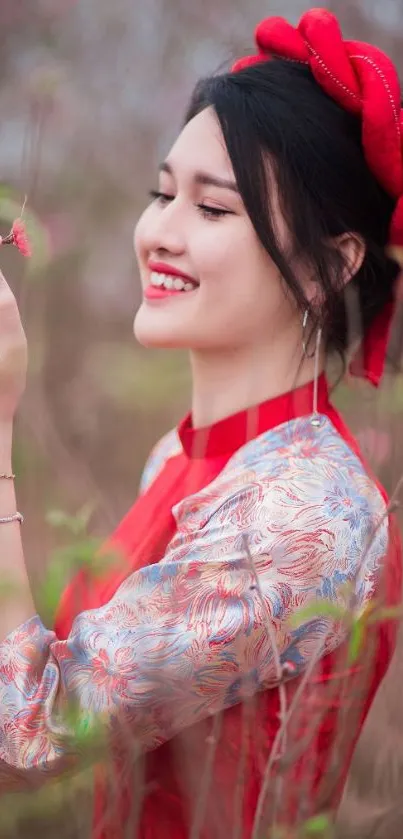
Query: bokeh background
92, 94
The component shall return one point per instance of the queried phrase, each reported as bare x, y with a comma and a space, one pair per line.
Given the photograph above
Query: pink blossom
20, 238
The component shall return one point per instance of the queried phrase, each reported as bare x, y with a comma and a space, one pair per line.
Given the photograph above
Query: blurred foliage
64, 803
92, 94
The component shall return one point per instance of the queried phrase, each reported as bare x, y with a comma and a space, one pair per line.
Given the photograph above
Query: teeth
170, 282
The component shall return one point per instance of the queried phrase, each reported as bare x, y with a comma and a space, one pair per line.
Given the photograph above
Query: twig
239, 791
280, 743
280, 734
200, 808
270, 632
136, 777
318, 653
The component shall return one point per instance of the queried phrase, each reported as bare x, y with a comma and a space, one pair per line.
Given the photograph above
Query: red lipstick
164, 268
153, 292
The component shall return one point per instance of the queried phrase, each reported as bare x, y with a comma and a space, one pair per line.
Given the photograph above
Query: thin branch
205, 783
280, 743
317, 655
239, 791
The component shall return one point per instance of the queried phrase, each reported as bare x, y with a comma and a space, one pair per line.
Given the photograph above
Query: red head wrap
363, 80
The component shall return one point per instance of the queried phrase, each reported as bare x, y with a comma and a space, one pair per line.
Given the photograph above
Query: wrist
6, 446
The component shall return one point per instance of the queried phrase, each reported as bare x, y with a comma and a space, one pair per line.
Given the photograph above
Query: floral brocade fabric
292, 517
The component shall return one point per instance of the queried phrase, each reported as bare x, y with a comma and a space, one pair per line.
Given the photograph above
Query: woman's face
208, 284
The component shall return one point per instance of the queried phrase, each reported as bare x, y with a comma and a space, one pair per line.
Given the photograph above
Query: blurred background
92, 94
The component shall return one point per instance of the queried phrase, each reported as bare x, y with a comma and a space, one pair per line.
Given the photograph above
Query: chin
149, 333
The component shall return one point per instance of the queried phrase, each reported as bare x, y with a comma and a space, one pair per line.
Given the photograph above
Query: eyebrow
203, 178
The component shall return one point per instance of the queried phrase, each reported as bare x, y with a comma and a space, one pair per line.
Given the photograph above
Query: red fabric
146, 530
363, 80
141, 537
172, 773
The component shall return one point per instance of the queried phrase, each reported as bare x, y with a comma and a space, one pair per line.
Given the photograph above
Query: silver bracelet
14, 517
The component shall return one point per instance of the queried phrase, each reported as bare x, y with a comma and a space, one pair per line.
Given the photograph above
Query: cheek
231, 259
140, 236
243, 289
220, 252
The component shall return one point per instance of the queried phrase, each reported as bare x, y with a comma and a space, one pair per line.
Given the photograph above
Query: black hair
275, 111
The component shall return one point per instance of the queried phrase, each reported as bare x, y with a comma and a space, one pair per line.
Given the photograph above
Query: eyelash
207, 212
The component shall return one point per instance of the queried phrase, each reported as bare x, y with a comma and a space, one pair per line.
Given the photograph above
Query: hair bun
358, 76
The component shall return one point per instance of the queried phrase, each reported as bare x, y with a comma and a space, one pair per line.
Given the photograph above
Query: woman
220, 644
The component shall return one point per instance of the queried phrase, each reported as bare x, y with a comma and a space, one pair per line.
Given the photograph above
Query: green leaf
319, 608
356, 640
83, 517
50, 591
386, 613
88, 730
102, 562
77, 525
317, 825
77, 555
58, 518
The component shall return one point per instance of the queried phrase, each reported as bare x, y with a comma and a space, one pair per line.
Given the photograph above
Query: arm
13, 364
18, 605
180, 640
187, 637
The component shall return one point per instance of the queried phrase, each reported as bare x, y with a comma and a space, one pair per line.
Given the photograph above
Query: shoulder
313, 457
298, 462
311, 473
168, 446
303, 495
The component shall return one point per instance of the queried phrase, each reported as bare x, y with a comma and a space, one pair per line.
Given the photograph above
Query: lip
154, 293
164, 268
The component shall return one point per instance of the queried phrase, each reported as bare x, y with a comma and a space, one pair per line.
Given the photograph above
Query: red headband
363, 80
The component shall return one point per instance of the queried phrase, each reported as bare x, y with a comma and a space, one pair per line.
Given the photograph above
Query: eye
205, 210
161, 197
212, 212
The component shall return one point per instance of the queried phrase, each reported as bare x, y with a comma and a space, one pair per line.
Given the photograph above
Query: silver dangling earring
315, 421
304, 325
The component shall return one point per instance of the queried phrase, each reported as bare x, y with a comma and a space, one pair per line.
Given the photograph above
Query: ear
352, 248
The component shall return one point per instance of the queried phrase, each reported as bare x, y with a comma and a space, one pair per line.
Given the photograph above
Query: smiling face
208, 283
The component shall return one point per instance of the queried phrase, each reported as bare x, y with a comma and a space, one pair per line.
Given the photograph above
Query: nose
166, 231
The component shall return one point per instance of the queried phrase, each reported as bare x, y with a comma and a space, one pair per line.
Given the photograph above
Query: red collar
229, 434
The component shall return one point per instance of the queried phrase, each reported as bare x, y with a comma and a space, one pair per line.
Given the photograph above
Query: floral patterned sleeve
187, 637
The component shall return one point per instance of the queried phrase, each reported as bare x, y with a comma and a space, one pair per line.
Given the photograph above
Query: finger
5, 290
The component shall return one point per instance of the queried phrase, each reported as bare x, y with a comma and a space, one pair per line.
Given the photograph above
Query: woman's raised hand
13, 354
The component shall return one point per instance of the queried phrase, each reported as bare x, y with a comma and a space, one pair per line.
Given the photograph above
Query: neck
227, 382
